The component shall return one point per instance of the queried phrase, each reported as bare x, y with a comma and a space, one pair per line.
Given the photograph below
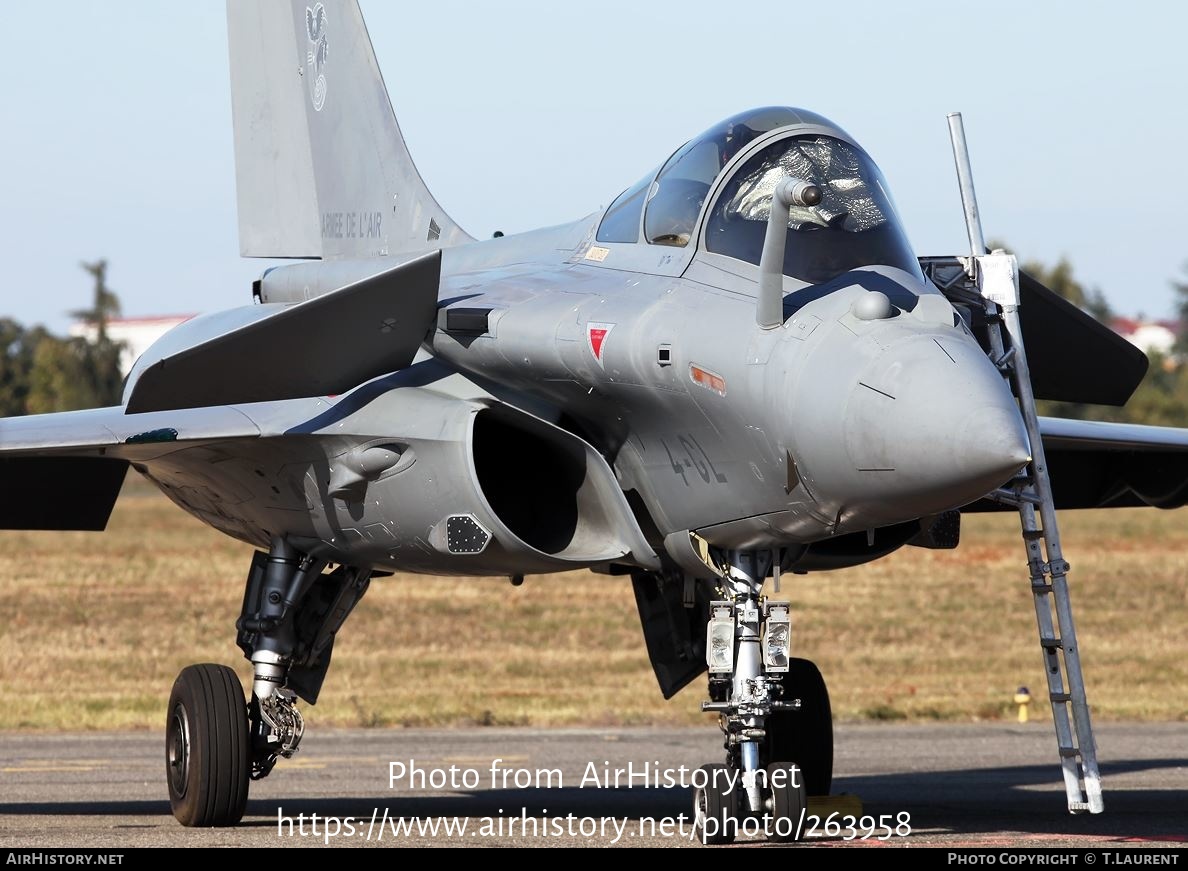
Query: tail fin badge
315, 29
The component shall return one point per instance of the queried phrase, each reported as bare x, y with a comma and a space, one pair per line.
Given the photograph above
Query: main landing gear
214, 742
774, 713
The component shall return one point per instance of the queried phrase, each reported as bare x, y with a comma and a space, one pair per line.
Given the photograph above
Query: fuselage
831, 424
870, 406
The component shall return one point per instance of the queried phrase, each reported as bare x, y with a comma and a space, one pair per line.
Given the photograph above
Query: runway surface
995, 785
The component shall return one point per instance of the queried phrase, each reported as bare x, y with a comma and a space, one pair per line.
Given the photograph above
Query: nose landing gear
773, 710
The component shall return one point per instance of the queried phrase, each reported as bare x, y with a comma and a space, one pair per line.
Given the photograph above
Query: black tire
789, 802
208, 759
715, 807
805, 735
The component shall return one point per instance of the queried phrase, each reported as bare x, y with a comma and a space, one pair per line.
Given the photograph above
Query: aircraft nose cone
932, 425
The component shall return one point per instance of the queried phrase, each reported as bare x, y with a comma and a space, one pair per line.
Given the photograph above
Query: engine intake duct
552, 490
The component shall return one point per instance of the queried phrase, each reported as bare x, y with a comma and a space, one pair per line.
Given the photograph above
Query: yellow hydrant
1022, 699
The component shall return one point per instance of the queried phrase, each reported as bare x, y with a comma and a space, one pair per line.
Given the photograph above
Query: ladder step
1059, 697
1051, 643
1069, 752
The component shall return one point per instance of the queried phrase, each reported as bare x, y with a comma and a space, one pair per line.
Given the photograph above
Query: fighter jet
737, 371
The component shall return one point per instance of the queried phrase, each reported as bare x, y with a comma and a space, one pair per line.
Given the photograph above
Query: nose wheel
806, 734
207, 748
715, 806
720, 809
788, 802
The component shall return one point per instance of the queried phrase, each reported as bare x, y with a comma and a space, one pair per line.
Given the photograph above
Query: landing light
719, 641
777, 638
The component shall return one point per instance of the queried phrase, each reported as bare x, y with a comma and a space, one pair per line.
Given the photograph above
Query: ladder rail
1031, 496
993, 282
1056, 569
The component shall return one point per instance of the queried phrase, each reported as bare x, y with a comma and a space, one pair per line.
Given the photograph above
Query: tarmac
995, 785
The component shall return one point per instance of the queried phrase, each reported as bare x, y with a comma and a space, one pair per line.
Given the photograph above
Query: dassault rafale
738, 372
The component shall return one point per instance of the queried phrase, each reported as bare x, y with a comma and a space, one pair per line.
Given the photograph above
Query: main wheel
789, 801
805, 735
207, 750
715, 806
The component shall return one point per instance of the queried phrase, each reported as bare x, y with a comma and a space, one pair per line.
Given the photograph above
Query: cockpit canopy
854, 225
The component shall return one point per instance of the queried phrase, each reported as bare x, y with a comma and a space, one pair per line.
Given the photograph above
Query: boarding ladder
990, 282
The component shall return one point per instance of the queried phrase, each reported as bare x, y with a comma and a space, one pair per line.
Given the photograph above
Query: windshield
675, 199
621, 221
854, 225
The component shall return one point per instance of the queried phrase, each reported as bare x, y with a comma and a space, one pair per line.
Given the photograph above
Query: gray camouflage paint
851, 416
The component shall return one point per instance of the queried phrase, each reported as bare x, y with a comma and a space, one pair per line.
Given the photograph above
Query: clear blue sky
115, 131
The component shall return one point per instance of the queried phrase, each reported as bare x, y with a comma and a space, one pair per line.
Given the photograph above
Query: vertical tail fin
321, 168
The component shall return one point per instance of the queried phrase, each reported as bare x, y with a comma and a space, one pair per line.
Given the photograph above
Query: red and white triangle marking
596, 336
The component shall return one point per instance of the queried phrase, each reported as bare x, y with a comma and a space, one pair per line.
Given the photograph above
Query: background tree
104, 305
41, 373
99, 359
17, 347
59, 380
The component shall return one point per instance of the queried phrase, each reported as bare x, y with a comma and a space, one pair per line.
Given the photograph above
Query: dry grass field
94, 627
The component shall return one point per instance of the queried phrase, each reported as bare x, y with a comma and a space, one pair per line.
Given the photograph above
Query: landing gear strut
773, 711
215, 743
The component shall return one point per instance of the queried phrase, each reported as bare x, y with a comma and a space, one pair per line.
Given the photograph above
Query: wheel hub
179, 751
